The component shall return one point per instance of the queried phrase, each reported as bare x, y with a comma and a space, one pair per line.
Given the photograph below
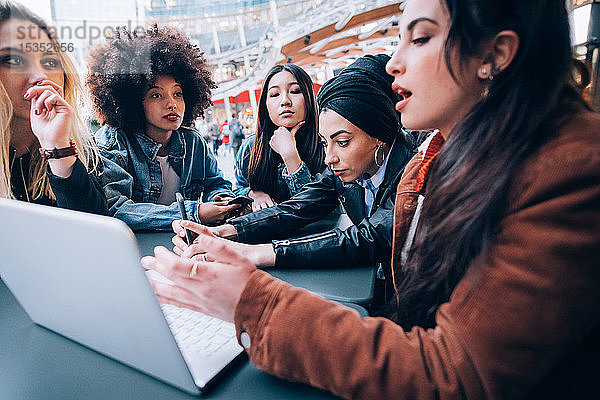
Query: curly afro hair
122, 69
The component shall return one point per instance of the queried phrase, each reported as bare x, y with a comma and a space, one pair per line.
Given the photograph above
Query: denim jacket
293, 182
132, 178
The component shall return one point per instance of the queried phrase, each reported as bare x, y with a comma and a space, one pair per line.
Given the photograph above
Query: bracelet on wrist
55, 153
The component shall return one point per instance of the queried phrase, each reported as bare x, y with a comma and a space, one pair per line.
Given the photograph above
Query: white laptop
80, 275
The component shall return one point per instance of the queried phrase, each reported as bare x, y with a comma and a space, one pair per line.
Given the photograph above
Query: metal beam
357, 20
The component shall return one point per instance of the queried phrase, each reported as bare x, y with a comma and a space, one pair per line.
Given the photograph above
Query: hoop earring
377, 149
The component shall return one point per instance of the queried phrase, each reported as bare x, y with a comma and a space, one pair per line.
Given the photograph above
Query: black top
80, 191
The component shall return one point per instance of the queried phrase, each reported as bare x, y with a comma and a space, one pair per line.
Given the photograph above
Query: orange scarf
434, 148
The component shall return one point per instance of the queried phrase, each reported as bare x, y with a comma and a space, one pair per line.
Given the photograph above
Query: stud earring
484, 71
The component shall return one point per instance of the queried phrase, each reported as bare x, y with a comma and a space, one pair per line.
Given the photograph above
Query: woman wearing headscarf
366, 151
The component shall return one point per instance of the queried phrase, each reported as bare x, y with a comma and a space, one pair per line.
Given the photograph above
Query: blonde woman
46, 152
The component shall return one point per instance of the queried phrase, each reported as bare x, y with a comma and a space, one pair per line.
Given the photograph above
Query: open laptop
80, 275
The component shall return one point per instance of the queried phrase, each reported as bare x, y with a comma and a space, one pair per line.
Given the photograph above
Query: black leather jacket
368, 241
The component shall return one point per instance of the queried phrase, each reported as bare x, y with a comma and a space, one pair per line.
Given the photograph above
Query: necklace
23, 178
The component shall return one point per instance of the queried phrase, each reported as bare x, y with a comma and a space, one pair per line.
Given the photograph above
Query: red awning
243, 97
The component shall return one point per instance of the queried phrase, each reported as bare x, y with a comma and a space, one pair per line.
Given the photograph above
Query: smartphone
244, 201
180, 203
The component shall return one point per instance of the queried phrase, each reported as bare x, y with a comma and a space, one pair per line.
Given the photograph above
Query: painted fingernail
36, 112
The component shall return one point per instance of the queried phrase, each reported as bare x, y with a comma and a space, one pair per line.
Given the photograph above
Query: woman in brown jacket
496, 234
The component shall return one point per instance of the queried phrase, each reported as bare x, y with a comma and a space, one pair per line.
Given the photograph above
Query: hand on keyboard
212, 288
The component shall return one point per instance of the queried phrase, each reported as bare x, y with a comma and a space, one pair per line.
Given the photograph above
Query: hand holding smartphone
243, 201
181, 204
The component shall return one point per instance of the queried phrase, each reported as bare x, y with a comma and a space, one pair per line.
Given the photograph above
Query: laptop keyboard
196, 333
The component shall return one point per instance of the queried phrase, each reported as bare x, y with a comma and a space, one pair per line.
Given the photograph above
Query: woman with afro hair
147, 89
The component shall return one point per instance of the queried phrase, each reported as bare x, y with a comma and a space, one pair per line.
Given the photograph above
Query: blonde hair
39, 184
5, 117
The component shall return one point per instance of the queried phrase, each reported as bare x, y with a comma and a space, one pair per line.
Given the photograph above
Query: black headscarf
362, 93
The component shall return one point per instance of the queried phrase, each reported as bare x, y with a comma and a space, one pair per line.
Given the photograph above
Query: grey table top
36, 363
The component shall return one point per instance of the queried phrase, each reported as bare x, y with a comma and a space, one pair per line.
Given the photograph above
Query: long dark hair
465, 197
262, 168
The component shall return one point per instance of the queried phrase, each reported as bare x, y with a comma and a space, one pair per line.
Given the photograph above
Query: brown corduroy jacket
527, 325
